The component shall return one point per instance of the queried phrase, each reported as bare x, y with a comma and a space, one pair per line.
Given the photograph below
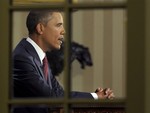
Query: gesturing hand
106, 93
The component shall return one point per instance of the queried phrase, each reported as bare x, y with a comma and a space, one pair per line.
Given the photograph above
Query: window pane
99, 37
20, 2
98, 50
95, 1
27, 68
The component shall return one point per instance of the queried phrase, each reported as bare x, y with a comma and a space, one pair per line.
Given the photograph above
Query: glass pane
22, 2
95, 1
99, 38
28, 71
98, 50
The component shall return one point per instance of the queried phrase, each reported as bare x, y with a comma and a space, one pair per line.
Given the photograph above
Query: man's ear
40, 28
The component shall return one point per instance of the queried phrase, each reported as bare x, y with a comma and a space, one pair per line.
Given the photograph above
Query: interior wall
19, 29
103, 32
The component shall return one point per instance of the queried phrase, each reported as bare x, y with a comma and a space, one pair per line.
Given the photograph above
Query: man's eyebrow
60, 23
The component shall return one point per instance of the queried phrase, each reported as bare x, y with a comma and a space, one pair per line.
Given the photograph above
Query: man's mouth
61, 40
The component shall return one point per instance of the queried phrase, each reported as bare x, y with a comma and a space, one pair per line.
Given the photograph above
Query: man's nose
63, 31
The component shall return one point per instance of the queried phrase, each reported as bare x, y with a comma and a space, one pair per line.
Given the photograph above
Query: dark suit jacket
29, 81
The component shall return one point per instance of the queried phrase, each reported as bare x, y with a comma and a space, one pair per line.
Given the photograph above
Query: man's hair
38, 16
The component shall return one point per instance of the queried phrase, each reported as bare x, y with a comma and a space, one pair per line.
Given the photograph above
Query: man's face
53, 32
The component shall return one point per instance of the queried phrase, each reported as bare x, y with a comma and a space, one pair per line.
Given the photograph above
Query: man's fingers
99, 90
109, 93
111, 96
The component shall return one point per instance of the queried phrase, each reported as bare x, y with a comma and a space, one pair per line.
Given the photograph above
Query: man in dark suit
46, 33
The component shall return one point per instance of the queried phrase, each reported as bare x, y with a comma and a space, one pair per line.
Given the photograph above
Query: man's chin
51, 48
57, 48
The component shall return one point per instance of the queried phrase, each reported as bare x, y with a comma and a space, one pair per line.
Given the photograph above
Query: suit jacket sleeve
59, 92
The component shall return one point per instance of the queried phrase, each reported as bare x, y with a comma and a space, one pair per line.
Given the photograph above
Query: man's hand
106, 93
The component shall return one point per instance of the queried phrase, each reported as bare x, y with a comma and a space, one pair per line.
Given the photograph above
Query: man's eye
59, 24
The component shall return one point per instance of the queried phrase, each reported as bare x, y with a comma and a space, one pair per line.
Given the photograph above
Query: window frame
132, 6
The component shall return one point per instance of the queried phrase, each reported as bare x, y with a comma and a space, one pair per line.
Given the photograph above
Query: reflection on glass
96, 1
21, 2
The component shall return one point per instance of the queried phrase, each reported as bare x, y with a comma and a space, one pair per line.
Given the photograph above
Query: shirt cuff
95, 96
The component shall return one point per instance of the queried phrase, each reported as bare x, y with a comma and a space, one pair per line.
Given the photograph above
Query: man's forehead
56, 18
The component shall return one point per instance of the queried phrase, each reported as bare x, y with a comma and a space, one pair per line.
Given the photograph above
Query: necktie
45, 67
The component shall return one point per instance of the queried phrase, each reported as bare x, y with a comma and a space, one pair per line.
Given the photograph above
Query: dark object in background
78, 52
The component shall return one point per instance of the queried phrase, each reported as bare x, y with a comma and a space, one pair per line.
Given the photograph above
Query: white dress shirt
39, 51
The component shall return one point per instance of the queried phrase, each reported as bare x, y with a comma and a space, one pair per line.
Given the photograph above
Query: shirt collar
39, 51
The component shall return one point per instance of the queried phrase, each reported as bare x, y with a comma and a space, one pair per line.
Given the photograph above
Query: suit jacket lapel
30, 49
37, 61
